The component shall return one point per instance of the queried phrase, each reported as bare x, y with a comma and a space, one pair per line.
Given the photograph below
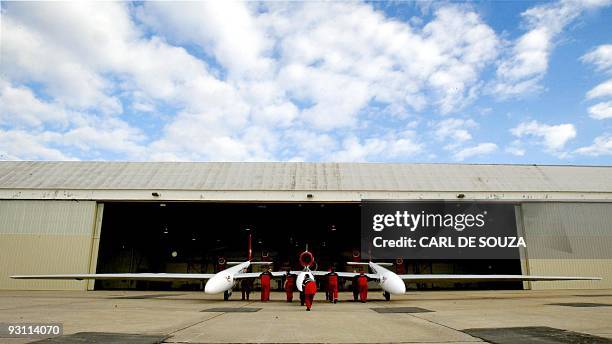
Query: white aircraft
392, 283
221, 282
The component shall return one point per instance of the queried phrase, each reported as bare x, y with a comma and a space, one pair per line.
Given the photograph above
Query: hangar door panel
45, 237
569, 239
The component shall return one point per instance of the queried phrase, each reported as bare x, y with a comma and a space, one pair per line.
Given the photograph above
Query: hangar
88, 217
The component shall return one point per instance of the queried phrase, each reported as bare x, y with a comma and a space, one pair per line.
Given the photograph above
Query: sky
421, 82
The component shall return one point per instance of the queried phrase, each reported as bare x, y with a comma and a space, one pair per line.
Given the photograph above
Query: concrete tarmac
181, 317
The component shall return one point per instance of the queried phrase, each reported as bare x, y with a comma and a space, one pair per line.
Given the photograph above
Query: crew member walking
265, 278
289, 285
332, 285
362, 281
310, 289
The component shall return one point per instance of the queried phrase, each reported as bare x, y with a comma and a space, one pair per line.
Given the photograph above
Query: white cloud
63, 47
529, 59
602, 90
479, 149
553, 137
601, 57
454, 129
21, 108
227, 30
308, 145
516, 148
107, 134
521, 71
400, 145
455, 133
602, 145
516, 151
601, 110
37, 125
19, 144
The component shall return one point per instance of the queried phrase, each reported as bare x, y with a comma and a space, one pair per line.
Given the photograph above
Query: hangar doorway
189, 237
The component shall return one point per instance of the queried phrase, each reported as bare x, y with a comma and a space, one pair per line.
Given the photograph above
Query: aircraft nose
213, 286
402, 288
397, 286
208, 288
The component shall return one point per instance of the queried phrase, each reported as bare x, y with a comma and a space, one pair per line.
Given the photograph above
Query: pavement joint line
440, 324
195, 323
205, 320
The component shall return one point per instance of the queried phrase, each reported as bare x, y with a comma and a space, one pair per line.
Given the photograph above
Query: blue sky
491, 82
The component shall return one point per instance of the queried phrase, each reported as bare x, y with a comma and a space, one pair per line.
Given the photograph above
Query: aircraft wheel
226, 295
387, 295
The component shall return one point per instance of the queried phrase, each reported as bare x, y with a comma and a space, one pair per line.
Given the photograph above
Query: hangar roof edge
265, 176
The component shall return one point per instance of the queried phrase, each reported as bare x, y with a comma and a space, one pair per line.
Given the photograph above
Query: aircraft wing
353, 274
344, 274
257, 274
247, 275
489, 278
123, 276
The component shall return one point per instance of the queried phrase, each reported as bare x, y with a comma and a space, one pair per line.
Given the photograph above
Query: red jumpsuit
362, 281
332, 286
265, 286
310, 289
289, 286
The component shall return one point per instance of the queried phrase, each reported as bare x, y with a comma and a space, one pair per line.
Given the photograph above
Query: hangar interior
193, 237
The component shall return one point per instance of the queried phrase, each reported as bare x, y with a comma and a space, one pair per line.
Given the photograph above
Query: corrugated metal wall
569, 239
45, 237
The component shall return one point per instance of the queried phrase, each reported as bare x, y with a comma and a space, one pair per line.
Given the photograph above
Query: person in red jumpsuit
289, 285
332, 285
310, 289
265, 285
362, 282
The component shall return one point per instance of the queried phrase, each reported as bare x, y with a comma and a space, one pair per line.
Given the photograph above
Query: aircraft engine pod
306, 259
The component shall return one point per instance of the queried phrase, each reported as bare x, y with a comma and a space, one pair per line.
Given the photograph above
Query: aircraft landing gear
387, 295
226, 295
